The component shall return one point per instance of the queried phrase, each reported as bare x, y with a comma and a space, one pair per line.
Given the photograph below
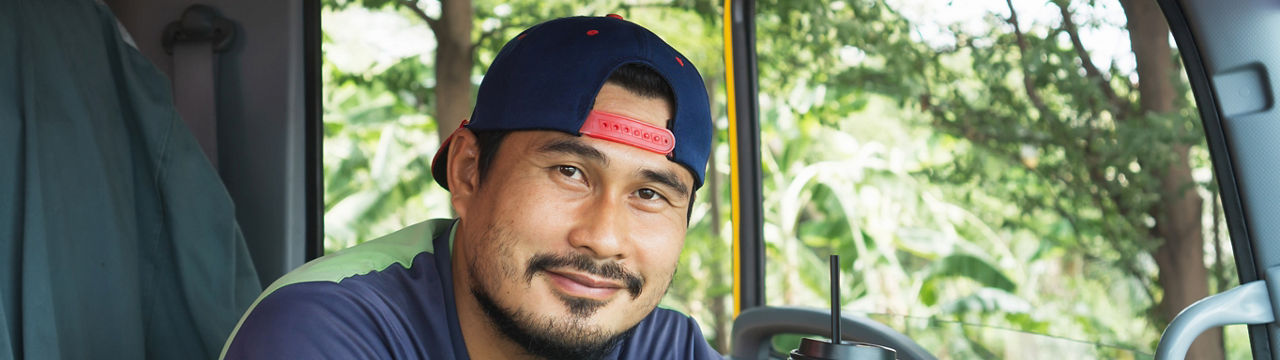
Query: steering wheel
754, 329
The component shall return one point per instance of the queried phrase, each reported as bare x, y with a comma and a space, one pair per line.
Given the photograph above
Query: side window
379, 132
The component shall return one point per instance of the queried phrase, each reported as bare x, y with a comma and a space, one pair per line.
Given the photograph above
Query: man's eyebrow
667, 178
574, 147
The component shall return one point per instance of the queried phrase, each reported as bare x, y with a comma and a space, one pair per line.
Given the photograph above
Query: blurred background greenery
1003, 179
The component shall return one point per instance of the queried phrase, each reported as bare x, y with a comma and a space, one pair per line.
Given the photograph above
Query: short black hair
637, 78
488, 143
642, 80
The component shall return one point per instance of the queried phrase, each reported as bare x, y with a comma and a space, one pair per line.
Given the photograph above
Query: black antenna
835, 299
837, 348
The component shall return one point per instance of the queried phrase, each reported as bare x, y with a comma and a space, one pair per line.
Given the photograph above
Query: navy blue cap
547, 78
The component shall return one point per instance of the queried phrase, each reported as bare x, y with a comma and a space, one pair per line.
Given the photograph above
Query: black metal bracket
200, 23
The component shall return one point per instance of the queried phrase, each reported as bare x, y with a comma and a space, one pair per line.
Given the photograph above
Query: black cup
813, 349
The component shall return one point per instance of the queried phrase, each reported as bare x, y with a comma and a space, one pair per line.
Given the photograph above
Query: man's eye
569, 171
648, 194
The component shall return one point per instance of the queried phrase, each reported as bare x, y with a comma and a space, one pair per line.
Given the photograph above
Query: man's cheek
660, 281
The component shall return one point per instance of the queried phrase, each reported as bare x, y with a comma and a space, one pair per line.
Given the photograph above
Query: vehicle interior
1000, 179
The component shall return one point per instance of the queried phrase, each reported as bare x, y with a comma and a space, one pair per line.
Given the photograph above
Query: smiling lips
579, 285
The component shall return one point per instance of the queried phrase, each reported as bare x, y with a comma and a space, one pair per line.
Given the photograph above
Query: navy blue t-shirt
392, 298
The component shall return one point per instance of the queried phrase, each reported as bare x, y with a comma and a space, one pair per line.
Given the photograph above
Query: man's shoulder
399, 247
352, 293
304, 320
667, 334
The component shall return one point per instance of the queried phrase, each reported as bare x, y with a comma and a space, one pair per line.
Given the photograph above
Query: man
573, 183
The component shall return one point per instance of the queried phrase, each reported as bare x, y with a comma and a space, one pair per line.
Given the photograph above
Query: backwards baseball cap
548, 76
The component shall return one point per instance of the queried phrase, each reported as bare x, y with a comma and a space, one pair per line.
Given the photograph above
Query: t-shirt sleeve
698, 347
310, 320
668, 334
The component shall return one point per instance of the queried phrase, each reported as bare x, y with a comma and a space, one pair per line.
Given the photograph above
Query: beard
549, 336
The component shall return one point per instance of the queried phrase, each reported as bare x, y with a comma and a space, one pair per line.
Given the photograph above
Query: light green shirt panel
399, 247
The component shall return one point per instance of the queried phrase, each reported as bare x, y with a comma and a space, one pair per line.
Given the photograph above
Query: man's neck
483, 340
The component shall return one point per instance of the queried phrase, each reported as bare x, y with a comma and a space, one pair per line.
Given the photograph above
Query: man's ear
463, 167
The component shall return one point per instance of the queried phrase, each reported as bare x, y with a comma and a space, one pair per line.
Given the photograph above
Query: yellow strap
734, 174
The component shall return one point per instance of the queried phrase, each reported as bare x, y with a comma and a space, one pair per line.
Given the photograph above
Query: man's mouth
584, 286
579, 276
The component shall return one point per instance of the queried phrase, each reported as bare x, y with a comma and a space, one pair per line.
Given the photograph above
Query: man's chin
552, 336
577, 307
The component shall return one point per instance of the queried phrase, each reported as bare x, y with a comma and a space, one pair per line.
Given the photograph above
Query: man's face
578, 237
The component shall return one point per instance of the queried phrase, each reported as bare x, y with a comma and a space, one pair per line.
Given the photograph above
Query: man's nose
602, 229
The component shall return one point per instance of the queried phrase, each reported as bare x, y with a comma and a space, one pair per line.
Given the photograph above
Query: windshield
1013, 165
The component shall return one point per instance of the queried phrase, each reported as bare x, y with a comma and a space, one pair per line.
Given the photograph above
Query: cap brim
440, 162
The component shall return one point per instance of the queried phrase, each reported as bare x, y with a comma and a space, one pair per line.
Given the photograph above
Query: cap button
615, 16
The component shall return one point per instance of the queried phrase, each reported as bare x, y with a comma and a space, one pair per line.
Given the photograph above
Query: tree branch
1029, 85
485, 35
1091, 71
413, 5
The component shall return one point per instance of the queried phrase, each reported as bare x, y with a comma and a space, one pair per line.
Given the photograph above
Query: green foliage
968, 266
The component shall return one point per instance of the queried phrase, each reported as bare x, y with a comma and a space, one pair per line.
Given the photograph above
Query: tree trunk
1183, 274
1180, 257
453, 65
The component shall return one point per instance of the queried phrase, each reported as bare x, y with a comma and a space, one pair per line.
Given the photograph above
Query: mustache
581, 262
